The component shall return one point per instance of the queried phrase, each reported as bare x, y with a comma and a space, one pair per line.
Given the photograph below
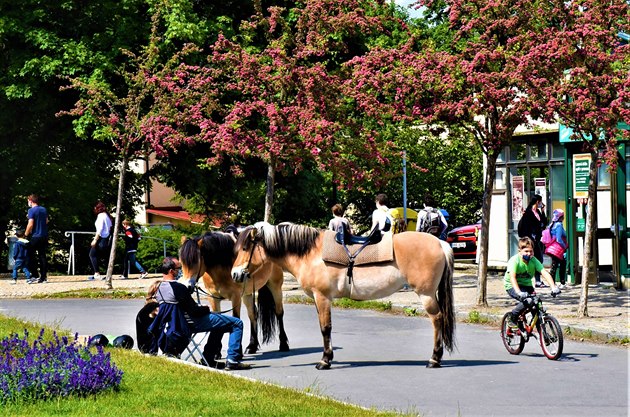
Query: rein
199, 290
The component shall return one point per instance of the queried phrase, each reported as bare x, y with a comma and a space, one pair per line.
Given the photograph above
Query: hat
558, 214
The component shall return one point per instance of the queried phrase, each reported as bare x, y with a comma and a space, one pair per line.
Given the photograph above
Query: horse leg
322, 304
253, 324
276, 291
432, 308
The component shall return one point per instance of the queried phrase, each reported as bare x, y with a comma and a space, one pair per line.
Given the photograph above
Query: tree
38, 42
119, 112
579, 70
476, 85
279, 90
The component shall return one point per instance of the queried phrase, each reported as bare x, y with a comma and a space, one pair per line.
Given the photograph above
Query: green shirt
524, 271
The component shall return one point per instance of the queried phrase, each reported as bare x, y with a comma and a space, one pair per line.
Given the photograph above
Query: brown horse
420, 259
210, 257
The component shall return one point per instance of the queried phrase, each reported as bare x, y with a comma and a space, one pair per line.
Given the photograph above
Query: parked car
463, 240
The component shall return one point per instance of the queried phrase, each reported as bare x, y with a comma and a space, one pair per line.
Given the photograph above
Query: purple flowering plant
58, 368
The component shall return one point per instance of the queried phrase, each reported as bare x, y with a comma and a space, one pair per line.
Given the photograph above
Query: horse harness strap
343, 235
199, 290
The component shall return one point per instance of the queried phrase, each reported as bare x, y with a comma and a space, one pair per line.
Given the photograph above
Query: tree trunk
589, 235
482, 245
271, 179
121, 188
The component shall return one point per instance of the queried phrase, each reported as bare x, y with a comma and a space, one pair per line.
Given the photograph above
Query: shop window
538, 151
499, 179
603, 176
518, 152
557, 151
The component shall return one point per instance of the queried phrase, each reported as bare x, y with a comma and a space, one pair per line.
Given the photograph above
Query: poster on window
518, 189
540, 188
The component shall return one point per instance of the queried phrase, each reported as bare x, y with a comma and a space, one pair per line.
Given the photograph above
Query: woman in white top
101, 243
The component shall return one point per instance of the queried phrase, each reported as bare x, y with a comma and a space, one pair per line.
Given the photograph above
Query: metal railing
72, 233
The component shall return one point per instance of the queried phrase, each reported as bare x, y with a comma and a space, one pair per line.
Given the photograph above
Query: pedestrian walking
20, 258
131, 238
37, 233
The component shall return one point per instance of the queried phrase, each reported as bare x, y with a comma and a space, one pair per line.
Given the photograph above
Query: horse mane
289, 239
217, 249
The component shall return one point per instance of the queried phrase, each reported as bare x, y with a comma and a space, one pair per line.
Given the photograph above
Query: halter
244, 273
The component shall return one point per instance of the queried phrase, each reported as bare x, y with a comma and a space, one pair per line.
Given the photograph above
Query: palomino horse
419, 259
210, 256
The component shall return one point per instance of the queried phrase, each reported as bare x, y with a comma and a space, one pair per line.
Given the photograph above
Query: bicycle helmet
98, 340
124, 341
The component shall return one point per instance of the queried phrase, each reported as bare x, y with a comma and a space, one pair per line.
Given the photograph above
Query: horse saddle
345, 249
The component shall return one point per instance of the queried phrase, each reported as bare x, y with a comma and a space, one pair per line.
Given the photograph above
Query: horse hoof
432, 364
322, 365
251, 351
284, 347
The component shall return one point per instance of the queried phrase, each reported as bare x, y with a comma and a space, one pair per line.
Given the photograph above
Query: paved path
608, 308
380, 361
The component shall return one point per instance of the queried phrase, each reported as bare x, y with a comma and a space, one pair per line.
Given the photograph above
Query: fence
71, 234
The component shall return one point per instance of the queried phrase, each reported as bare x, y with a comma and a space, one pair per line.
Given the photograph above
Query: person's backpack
546, 238
431, 222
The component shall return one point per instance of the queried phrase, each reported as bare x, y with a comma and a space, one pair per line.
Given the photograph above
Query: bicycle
547, 327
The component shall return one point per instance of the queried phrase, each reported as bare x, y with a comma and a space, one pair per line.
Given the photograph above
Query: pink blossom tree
126, 111
279, 89
581, 43
476, 84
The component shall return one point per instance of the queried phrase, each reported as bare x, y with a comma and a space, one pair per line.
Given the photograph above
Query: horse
210, 258
419, 259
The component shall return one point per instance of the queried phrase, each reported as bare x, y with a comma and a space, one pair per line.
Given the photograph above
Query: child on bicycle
521, 269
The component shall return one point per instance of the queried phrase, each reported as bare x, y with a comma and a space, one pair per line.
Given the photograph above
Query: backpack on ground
430, 222
546, 238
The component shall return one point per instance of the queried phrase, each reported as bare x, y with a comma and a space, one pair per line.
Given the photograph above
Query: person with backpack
555, 241
381, 217
430, 219
531, 225
131, 238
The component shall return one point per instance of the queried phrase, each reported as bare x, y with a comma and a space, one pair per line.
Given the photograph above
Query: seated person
200, 319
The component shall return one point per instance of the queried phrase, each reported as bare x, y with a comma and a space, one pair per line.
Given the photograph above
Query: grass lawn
156, 386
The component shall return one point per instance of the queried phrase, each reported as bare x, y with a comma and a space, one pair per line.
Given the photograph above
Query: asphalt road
380, 362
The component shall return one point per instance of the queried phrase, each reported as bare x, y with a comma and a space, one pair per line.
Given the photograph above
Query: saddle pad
334, 252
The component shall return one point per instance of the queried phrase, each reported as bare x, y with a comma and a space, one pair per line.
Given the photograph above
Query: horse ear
183, 239
253, 233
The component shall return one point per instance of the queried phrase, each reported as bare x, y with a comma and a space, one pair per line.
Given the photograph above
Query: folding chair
194, 350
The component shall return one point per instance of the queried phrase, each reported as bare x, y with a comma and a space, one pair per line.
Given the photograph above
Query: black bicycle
534, 321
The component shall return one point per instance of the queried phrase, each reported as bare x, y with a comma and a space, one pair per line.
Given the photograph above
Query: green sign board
581, 175
580, 226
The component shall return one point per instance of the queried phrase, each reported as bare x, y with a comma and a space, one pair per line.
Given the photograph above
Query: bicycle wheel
513, 342
551, 339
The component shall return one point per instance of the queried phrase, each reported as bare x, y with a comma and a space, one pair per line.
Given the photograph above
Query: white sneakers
144, 275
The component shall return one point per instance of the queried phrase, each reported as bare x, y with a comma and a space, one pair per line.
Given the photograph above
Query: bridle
244, 274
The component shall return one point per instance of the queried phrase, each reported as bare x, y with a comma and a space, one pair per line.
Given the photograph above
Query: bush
59, 368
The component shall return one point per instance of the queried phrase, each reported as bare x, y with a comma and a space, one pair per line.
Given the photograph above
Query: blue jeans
130, 259
218, 325
101, 250
23, 264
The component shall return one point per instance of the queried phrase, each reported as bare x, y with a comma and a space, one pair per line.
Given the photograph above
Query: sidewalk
608, 308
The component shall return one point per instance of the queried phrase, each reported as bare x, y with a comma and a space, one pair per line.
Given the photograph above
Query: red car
463, 240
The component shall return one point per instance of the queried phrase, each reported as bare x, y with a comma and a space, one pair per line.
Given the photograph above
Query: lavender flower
60, 367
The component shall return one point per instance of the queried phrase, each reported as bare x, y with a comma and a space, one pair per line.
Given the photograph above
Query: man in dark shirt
37, 230
201, 319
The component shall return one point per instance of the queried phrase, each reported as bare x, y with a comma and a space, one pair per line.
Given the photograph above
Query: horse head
190, 256
247, 256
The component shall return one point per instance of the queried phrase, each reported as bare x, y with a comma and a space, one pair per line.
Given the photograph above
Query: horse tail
445, 298
189, 253
267, 319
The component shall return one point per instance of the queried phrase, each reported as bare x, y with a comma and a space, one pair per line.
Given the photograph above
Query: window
538, 151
